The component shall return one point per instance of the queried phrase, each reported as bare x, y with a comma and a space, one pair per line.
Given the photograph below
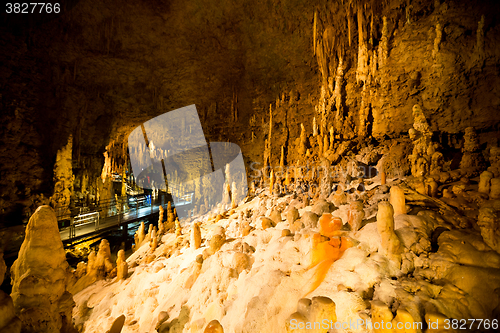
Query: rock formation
121, 266
472, 155
40, 275
397, 200
195, 236
9, 322
391, 245
355, 215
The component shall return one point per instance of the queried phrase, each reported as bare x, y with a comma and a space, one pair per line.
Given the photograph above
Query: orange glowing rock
324, 254
329, 225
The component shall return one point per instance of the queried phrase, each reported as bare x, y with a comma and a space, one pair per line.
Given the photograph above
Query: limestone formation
431, 187
338, 198
397, 200
9, 322
121, 266
302, 141
329, 225
161, 227
265, 223
153, 242
195, 236
292, 215
489, 223
178, 228
356, 215
472, 155
139, 237
381, 315
423, 149
63, 178
272, 181
495, 188
275, 216
484, 182
40, 275
322, 308
295, 321
102, 264
214, 327
391, 245
309, 219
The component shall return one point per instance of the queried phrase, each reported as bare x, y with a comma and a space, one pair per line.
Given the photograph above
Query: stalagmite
39, 277
421, 135
161, 227
383, 177
195, 236
391, 246
102, 264
121, 266
397, 200
282, 159
153, 242
178, 229
272, 181
484, 182
214, 327
381, 315
326, 146
139, 237
472, 155
495, 188
322, 309
356, 215
489, 224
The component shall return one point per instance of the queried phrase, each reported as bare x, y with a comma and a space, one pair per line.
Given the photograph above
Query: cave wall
98, 70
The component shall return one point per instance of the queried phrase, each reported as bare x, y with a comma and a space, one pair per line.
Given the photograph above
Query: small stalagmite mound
40, 276
214, 327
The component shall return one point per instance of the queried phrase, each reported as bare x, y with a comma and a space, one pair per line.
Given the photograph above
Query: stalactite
363, 113
331, 138
282, 159
322, 62
480, 36
338, 91
362, 70
315, 26
383, 48
315, 127
349, 24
